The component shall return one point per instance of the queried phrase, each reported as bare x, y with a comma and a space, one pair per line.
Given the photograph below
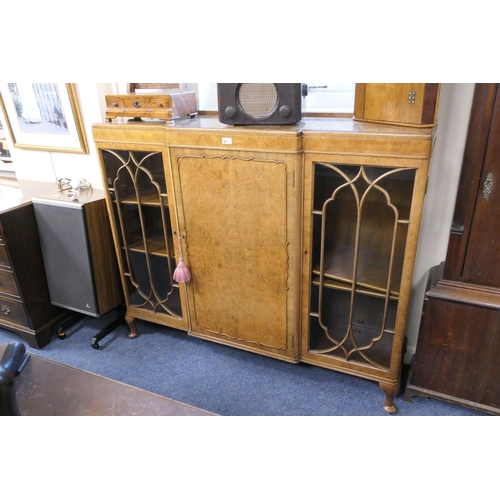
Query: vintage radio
409, 104
261, 103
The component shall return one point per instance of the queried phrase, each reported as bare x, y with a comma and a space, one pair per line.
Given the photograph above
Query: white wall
454, 108
48, 165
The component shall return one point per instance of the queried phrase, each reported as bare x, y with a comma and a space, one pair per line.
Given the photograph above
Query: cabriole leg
390, 393
132, 325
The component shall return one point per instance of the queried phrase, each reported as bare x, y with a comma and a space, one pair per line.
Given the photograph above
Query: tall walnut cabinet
300, 239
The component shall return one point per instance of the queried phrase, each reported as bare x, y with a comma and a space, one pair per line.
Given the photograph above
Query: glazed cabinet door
238, 218
142, 223
361, 236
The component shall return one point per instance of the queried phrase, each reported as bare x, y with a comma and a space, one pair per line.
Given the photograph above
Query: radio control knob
230, 112
285, 111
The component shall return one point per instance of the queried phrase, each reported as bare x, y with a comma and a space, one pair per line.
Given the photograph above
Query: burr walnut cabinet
300, 239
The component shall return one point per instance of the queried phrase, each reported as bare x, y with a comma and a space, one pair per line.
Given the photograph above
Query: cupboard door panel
142, 222
235, 212
484, 243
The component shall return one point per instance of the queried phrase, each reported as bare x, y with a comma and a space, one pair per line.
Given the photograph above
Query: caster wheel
95, 345
62, 335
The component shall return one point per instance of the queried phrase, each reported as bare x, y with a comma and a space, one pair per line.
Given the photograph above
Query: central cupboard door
236, 214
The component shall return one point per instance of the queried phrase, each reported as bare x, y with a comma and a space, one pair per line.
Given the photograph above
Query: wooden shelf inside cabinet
372, 271
155, 245
149, 199
347, 287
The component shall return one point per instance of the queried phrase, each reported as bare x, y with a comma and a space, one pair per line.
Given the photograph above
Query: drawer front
115, 106
136, 106
161, 107
8, 283
4, 259
13, 312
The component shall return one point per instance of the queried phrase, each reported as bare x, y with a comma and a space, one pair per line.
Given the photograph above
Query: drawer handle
5, 309
136, 104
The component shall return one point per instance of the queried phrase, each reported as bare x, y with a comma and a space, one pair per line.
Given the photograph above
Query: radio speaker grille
260, 103
258, 99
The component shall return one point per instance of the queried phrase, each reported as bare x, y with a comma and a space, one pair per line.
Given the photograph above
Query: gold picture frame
43, 116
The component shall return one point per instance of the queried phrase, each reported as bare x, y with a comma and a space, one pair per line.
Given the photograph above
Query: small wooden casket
408, 104
169, 107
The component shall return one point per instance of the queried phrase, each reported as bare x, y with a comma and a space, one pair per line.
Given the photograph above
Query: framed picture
43, 116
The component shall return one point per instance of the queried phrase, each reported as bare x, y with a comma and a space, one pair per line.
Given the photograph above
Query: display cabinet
300, 239
139, 202
363, 196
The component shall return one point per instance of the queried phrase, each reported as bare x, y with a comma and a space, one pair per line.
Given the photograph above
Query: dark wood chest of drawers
25, 306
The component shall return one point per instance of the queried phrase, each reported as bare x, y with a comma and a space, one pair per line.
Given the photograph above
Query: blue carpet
222, 379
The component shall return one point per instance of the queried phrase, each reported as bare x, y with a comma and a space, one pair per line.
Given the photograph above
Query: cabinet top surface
306, 126
24, 191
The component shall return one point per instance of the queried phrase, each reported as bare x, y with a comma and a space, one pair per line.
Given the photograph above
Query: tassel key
181, 273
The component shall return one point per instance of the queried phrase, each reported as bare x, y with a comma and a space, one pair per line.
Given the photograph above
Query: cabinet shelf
347, 287
149, 199
372, 272
155, 245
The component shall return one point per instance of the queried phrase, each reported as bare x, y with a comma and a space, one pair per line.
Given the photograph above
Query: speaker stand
75, 317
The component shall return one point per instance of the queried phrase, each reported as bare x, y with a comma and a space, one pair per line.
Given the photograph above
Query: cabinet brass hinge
412, 94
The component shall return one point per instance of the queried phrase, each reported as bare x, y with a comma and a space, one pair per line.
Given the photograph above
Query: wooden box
408, 104
168, 107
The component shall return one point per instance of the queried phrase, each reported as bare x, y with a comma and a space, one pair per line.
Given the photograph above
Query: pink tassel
181, 272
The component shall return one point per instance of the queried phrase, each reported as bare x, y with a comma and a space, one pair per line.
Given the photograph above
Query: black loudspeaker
261, 103
78, 253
